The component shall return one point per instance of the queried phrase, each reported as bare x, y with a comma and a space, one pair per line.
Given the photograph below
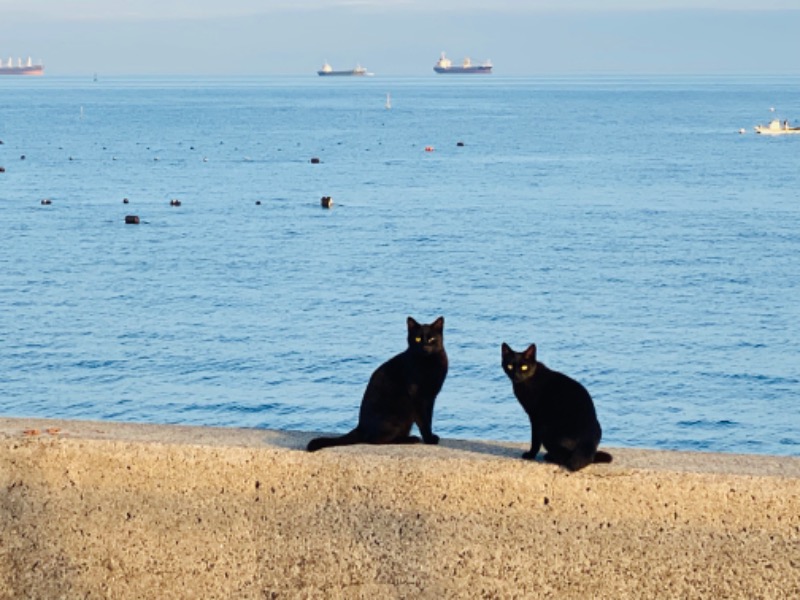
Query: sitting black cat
560, 409
400, 393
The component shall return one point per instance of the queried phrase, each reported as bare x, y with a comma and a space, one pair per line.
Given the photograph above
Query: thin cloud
158, 10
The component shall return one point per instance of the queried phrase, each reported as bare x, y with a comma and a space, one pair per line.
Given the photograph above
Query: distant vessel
28, 68
445, 65
327, 71
777, 127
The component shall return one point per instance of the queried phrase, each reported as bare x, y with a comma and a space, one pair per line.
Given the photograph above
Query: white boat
777, 127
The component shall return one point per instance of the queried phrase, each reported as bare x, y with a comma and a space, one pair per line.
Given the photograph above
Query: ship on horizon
28, 68
327, 71
445, 65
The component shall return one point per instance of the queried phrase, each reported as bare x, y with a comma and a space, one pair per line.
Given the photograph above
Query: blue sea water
622, 224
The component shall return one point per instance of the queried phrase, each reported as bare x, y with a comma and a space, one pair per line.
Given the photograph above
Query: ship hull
21, 71
463, 70
341, 73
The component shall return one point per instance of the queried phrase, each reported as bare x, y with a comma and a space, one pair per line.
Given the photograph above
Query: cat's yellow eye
523, 368
418, 339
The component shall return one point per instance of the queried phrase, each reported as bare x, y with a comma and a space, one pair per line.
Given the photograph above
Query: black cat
400, 393
561, 411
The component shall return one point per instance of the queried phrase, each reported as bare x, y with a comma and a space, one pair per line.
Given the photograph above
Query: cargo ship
445, 65
327, 70
28, 68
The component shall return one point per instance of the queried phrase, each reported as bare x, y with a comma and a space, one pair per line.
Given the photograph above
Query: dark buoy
46, 202
326, 202
131, 220
22, 157
174, 202
460, 144
258, 202
124, 200
2, 169
315, 161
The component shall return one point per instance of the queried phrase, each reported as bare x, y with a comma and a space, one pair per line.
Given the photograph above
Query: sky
403, 37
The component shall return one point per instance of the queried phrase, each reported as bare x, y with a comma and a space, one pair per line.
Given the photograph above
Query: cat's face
519, 366
426, 339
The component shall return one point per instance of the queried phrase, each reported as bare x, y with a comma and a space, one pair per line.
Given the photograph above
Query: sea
635, 229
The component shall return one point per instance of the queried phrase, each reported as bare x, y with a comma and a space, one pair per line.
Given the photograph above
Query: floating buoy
2, 169
22, 157
315, 161
326, 202
460, 144
131, 220
258, 202
46, 202
174, 202
428, 148
742, 130
124, 200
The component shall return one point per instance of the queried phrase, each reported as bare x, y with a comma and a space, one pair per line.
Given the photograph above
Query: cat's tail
602, 457
327, 442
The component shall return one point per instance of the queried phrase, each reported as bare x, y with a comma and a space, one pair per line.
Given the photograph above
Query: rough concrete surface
110, 510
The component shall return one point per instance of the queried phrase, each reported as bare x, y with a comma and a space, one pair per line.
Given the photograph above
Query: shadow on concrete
502, 449
290, 440
298, 440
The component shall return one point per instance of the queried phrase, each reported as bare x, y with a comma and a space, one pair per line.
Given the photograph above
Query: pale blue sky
403, 37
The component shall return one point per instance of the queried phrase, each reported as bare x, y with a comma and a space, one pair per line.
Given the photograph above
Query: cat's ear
506, 349
530, 353
412, 324
438, 324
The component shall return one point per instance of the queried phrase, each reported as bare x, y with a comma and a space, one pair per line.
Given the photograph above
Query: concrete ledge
96, 510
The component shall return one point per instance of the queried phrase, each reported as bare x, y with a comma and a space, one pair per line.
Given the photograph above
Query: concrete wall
107, 510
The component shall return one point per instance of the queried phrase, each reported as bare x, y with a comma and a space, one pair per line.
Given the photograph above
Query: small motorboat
777, 127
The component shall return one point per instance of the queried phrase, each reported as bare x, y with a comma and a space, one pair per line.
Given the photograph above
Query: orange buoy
428, 148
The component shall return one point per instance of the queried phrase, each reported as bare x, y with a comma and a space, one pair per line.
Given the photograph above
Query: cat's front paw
432, 439
529, 455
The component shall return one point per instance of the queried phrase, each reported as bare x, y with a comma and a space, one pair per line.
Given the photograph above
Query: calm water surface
623, 225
